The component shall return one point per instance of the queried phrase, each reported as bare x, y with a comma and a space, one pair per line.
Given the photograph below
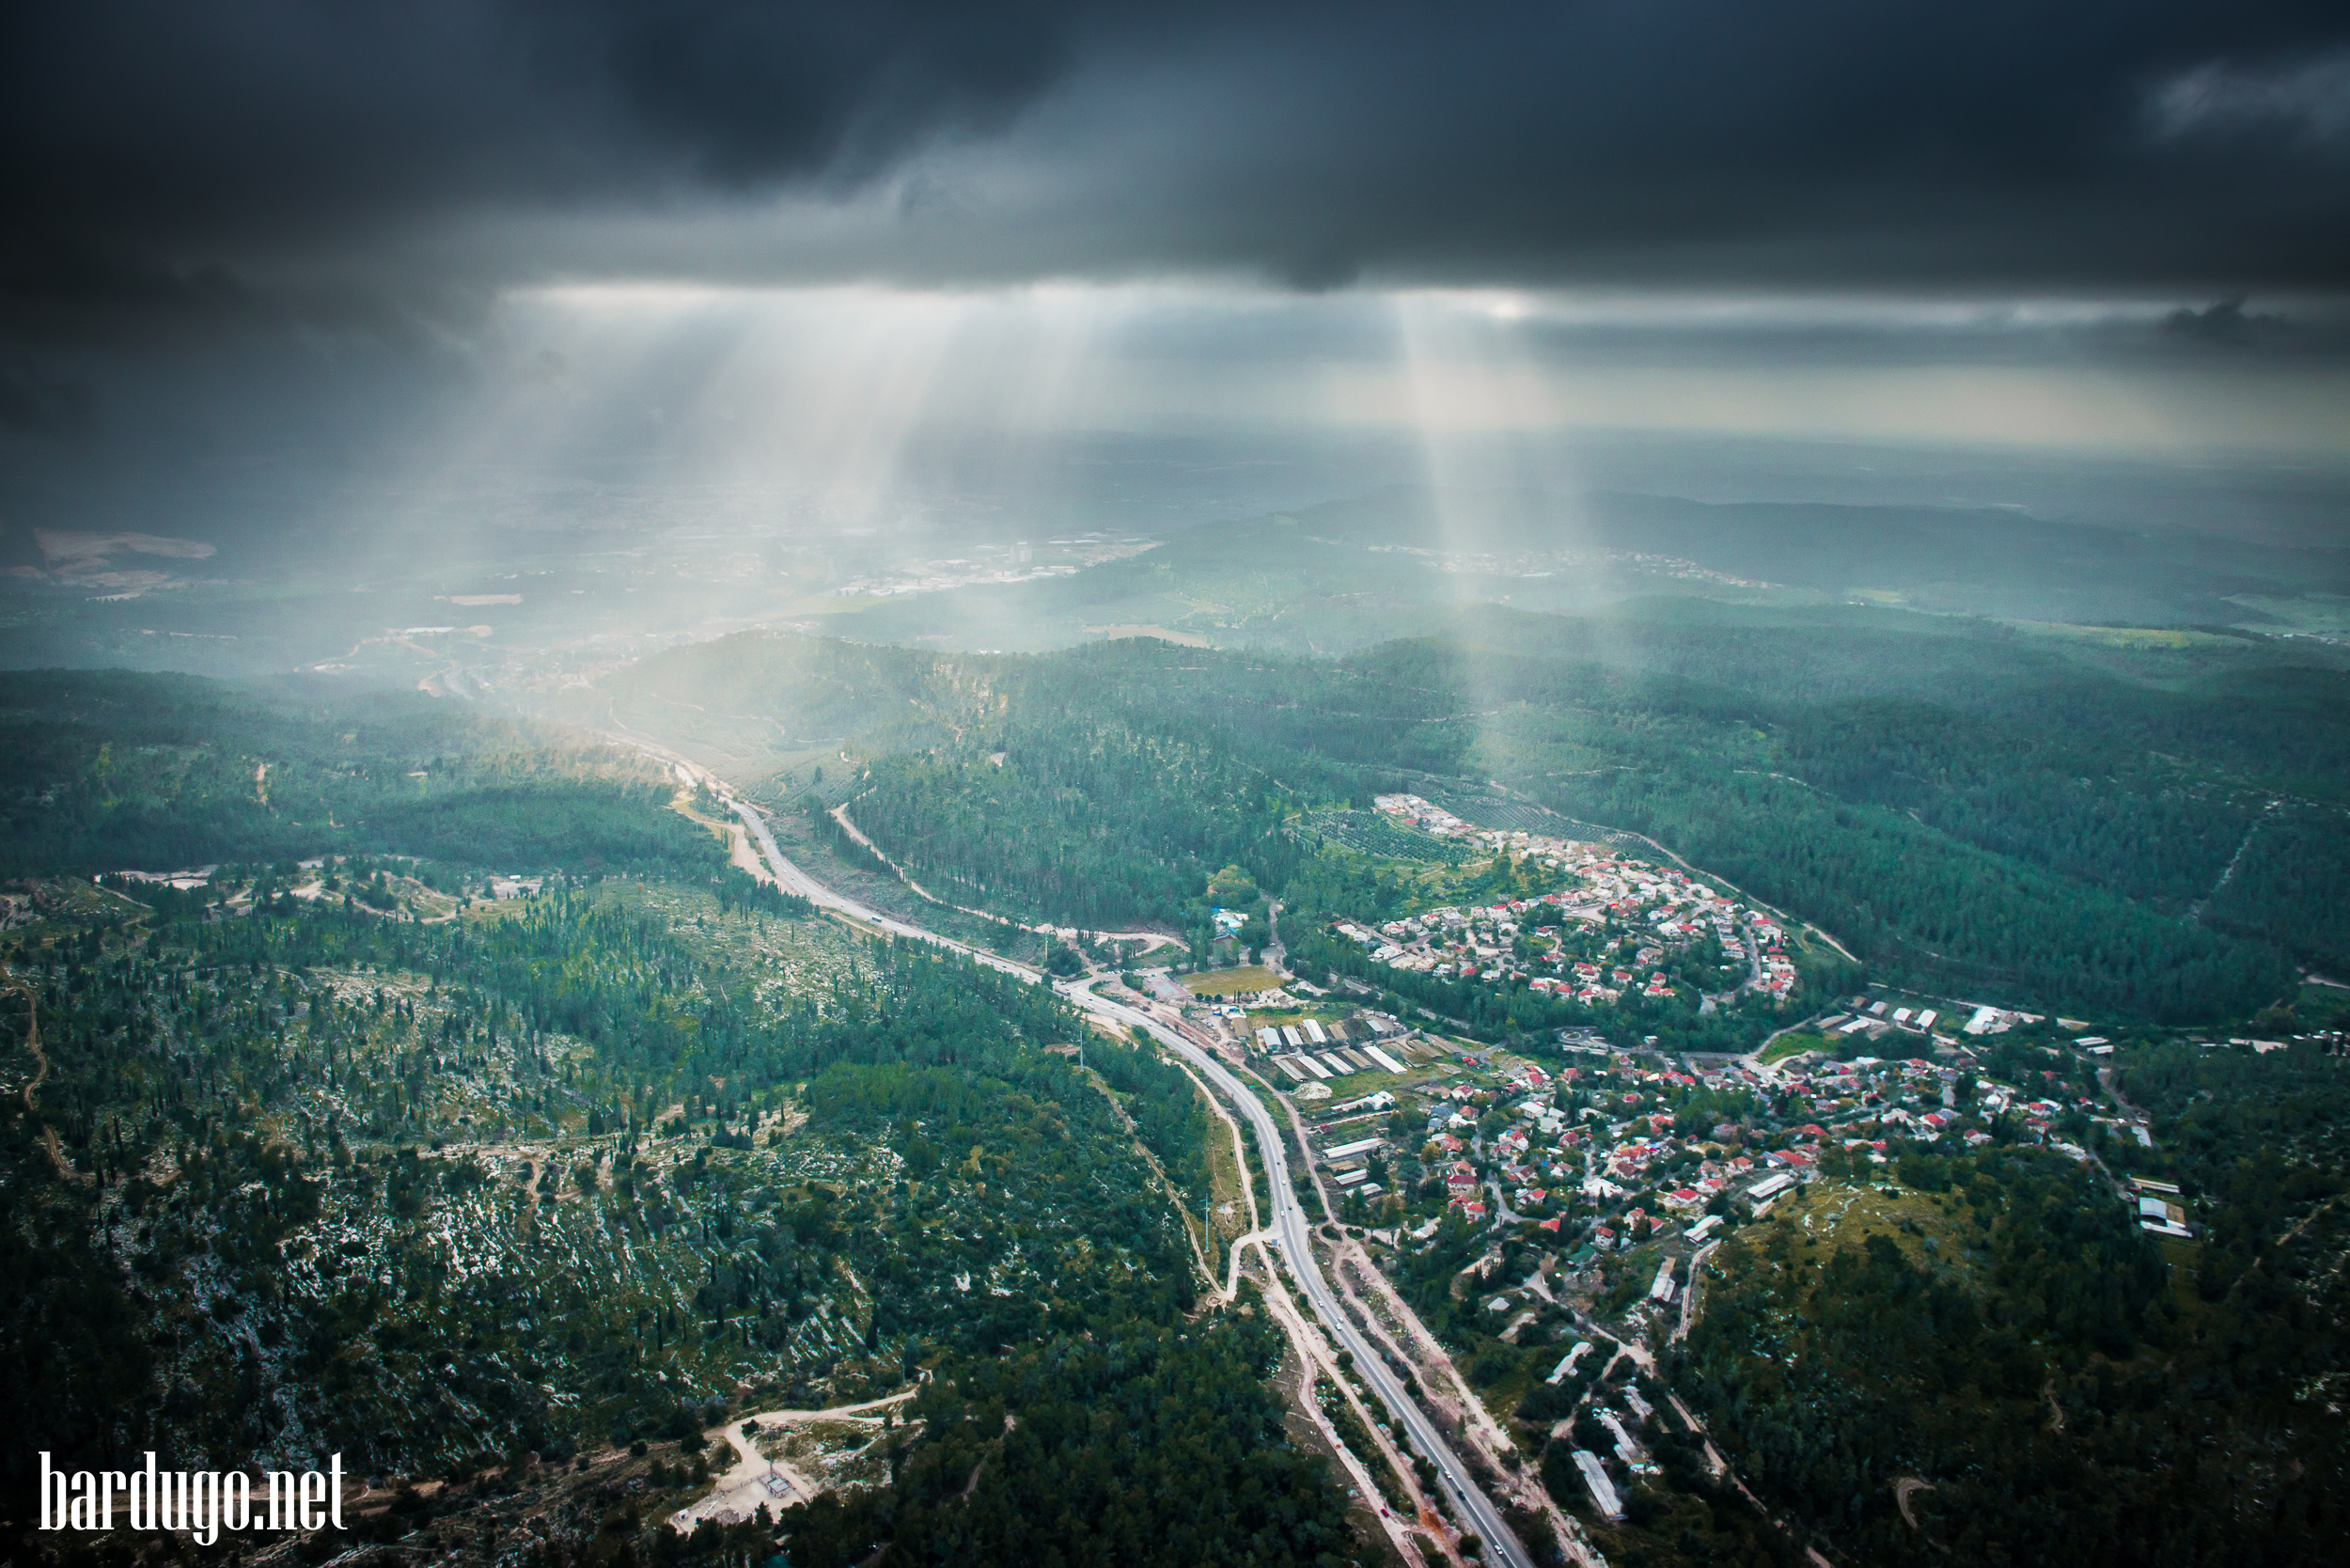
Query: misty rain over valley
785, 787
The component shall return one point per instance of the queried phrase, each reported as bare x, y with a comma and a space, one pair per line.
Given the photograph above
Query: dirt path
2105, 1081
48, 1139
1641, 1356
1829, 940
741, 852
1183, 1206
1255, 1232
2303, 1223
32, 1037
1689, 1293
752, 1481
2195, 911
1305, 1143
1443, 1388
1317, 1358
1904, 1489
1276, 952
1321, 1365
1149, 939
1317, 1362
1752, 1060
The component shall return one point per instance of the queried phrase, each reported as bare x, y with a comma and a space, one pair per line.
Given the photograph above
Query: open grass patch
1790, 1046
1231, 982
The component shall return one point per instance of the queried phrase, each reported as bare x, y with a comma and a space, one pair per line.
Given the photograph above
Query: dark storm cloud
2225, 322
358, 165
2227, 334
169, 162
1825, 142
38, 405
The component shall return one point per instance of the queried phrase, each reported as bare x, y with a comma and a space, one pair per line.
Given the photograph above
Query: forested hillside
102, 771
1119, 779
1998, 1366
1152, 1446
2141, 829
388, 1155
300, 1165
2260, 1136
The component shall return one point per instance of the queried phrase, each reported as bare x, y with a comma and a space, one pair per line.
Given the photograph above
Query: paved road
1290, 1229
1291, 1226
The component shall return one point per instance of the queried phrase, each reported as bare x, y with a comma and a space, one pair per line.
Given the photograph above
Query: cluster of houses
1611, 1135
1412, 811
1482, 942
1603, 1141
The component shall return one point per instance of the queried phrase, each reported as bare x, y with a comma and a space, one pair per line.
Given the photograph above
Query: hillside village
1603, 1154
1617, 924
1569, 1193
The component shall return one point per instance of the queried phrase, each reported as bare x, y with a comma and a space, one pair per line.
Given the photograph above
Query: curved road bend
1291, 1226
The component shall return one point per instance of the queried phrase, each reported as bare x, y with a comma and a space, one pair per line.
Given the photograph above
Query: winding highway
1290, 1227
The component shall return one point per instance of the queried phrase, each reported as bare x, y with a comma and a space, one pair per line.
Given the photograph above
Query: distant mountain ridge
1349, 572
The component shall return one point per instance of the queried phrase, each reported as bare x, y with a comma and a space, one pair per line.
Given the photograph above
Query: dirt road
754, 1480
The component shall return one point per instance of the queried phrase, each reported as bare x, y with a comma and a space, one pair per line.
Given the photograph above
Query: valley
1441, 1050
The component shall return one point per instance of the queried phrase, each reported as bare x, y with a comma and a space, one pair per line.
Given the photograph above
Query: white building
1566, 1368
1603, 1490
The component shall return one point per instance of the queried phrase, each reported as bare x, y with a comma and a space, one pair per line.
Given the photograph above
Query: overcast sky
2115, 223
